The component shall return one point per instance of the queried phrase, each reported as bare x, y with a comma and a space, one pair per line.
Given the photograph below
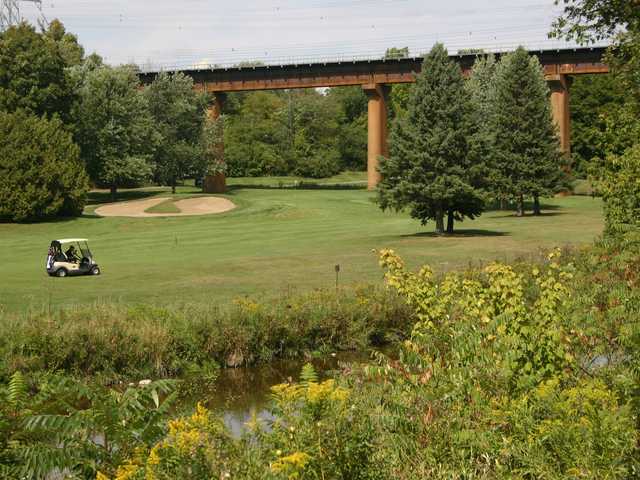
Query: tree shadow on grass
51, 220
463, 233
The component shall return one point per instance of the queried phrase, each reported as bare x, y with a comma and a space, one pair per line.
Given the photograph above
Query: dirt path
187, 207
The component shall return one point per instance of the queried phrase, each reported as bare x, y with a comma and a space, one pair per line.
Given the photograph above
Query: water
244, 392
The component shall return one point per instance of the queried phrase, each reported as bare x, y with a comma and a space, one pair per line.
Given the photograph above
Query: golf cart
71, 257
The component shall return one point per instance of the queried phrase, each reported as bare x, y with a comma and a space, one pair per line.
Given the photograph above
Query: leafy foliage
116, 341
67, 43
592, 20
178, 115
620, 188
496, 381
41, 172
32, 74
595, 101
74, 428
303, 132
116, 132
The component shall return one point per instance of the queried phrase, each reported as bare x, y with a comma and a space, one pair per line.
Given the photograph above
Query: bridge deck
573, 61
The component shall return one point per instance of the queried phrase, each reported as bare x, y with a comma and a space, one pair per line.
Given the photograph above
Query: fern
17, 391
308, 374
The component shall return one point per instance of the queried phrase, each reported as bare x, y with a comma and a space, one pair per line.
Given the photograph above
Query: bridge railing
238, 62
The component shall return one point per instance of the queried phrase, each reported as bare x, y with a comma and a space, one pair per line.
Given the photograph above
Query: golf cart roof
71, 240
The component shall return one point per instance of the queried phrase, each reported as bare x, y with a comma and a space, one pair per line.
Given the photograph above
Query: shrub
119, 340
621, 191
322, 164
41, 172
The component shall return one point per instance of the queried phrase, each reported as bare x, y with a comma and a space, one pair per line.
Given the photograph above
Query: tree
396, 53
315, 139
527, 156
285, 132
178, 114
428, 162
352, 119
588, 21
254, 135
32, 74
621, 191
595, 100
212, 160
591, 20
42, 175
67, 43
480, 89
400, 95
116, 131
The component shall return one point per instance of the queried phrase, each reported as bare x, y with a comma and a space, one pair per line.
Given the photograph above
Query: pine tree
428, 167
526, 150
480, 88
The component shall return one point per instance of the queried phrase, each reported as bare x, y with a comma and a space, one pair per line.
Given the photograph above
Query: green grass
344, 179
582, 187
277, 241
168, 206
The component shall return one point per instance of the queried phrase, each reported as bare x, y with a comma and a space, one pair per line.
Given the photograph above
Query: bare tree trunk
503, 204
114, 192
440, 221
536, 205
173, 186
520, 205
450, 221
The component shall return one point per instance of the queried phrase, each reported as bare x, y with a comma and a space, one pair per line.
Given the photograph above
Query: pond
241, 393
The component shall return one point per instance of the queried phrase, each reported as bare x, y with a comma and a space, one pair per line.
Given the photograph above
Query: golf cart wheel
95, 271
61, 273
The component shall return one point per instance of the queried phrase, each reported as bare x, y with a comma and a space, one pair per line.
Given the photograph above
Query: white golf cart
71, 256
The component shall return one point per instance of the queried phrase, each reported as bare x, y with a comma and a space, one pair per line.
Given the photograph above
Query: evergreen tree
480, 88
427, 169
527, 155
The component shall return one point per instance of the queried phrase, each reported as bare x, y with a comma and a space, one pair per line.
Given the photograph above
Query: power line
10, 13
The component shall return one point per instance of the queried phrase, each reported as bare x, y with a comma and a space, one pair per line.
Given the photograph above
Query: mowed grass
275, 242
168, 206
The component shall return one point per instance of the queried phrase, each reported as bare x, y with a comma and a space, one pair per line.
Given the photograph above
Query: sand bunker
187, 207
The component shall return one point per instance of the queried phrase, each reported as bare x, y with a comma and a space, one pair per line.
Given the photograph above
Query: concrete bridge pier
377, 131
560, 107
216, 183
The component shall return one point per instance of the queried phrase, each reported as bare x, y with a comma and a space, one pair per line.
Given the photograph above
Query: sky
184, 33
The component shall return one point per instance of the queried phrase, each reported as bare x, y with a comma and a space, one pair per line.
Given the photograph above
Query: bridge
375, 76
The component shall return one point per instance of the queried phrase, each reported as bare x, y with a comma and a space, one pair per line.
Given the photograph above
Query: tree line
68, 121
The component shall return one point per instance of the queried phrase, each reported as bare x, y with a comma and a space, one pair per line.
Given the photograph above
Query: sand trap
188, 207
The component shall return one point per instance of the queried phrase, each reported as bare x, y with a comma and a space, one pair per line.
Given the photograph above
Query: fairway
275, 242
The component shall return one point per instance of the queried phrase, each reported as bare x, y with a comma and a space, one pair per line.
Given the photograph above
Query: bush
323, 164
119, 340
40, 168
621, 191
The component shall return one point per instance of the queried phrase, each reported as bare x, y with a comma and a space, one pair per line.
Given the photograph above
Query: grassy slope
277, 241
